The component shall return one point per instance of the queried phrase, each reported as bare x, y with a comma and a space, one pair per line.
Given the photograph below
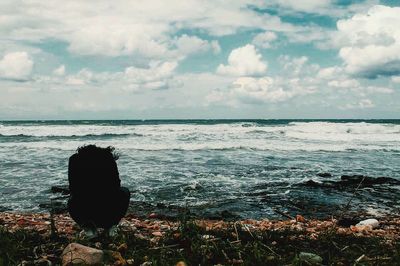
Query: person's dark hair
93, 149
93, 169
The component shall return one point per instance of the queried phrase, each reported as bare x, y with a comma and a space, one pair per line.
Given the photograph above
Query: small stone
77, 254
300, 219
310, 258
373, 223
159, 234
164, 227
181, 263
270, 258
153, 215
130, 261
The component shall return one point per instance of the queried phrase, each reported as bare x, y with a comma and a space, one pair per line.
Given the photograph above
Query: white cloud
187, 45
265, 39
59, 71
243, 61
215, 47
362, 104
370, 42
330, 72
298, 78
157, 76
396, 79
144, 28
16, 65
260, 90
294, 65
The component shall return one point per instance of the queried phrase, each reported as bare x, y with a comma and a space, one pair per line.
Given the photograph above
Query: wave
122, 144
307, 136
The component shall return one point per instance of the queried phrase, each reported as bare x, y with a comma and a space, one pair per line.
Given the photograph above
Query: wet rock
4, 209
60, 189
56, 207
312, 183
324, 175
77, 254
310, 258
368, 181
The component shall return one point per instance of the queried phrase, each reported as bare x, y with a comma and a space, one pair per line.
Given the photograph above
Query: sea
230, 169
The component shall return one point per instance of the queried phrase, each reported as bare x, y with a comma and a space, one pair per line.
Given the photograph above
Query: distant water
228, 168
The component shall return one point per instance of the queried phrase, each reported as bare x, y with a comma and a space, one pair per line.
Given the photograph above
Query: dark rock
368, 181
57, 207
60, 189
312, 183
347, 221
4, 209
324, 175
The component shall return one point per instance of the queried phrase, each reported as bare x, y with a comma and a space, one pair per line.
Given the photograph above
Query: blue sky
199, 59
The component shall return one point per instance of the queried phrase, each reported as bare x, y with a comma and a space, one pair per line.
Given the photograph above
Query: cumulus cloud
265, 39
370, 42
243, 61
16, 66
265, 89
187, 45
144, 28
298, 77
158, 75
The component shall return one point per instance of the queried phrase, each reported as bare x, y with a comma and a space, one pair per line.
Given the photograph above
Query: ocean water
214, 168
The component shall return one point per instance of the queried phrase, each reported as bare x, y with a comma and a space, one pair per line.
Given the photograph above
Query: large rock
77, 254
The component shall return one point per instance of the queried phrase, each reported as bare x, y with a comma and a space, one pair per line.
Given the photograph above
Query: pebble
310, 258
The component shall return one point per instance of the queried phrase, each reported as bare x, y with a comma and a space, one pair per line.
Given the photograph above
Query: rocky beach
43, 239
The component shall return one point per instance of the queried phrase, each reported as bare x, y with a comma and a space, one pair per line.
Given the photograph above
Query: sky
195, 59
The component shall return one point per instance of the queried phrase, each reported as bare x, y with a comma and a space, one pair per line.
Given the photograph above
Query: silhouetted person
97, 199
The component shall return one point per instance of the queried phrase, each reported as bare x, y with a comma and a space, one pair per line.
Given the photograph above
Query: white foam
307, 136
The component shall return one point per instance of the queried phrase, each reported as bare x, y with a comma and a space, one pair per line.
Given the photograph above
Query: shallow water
215, 167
